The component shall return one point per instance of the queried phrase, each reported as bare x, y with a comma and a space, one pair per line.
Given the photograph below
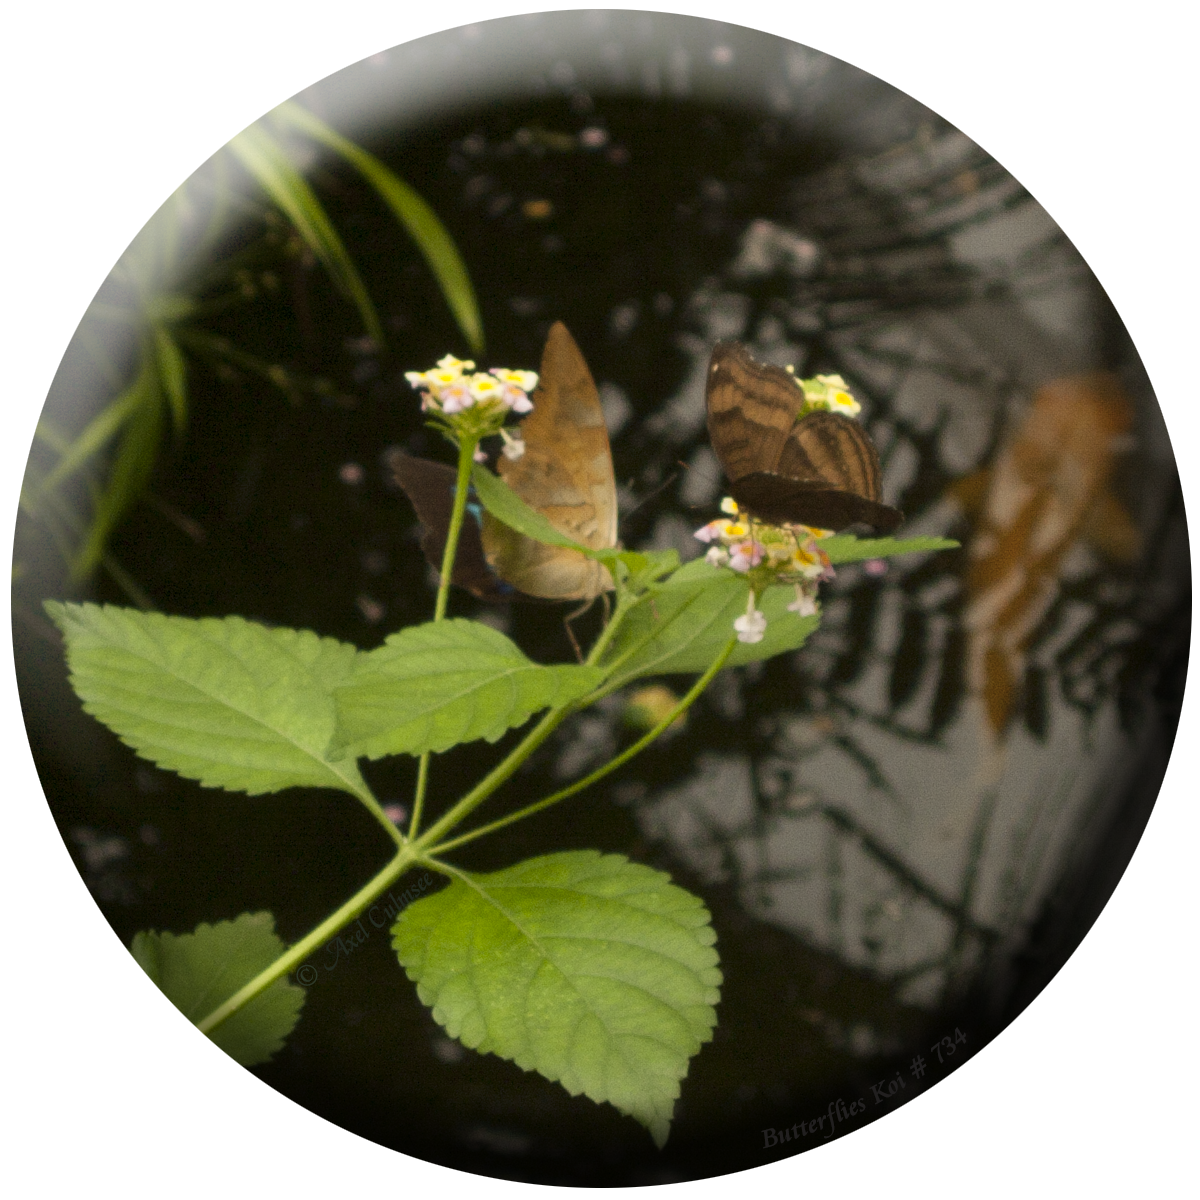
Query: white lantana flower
515, 387
767, 555
721, 530
484, 387
514, 445
454, 398
806, 560
805, 603
752, 624
525, 380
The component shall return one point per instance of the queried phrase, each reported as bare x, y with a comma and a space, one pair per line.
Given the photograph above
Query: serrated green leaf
433, 686
229, 703
845, 547
688, 621
201, 970
598, 973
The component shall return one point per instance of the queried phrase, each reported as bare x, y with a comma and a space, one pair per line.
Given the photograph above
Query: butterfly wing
821, 470
827, 476
430, 488
751, 409
566, 474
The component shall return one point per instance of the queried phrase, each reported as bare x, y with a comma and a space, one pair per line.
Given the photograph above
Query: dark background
1055, 1043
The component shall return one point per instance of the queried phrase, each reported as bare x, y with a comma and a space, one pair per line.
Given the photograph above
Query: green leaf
431, 236
201, 970
433, 686
265, 159
172, 370
699, 570
101, 428
505, 505
169, 308
686, 623
228, 703
642, 567
845, 547
598, 973
131, 469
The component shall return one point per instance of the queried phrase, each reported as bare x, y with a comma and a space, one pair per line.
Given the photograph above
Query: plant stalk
466, 459
600, 772
303, 948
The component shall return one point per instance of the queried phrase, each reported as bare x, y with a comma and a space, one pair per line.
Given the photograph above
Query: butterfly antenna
689, 467
662, 487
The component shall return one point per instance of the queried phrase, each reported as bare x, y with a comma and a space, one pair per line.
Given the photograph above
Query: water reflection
959, 723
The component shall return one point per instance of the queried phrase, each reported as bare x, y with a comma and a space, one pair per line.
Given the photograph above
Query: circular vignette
1042, 1057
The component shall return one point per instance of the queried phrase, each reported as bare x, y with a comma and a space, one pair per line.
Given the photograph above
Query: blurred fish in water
1047, 489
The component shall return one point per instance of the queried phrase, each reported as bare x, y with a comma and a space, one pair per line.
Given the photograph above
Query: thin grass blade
432, 237
266, 161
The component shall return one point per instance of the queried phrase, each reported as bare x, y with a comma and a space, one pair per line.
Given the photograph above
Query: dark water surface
883, 868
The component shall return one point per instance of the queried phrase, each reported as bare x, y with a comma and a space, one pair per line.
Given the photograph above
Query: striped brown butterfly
821, 470
565, 473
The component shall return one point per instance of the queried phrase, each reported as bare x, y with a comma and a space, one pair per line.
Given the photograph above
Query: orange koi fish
1046, 490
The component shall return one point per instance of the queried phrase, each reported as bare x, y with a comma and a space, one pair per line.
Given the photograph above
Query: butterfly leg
571, 617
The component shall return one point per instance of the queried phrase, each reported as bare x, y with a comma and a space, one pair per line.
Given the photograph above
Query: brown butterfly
820, 470
565, 473
430, 487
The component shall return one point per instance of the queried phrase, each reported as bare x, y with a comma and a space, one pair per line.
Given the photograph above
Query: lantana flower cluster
465, 403
767, 554
828, 393
770, 554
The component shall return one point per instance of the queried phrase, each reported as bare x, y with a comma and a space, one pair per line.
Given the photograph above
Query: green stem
625, 605
615, 680
373, 806
466, 458
542, 730
419, 794
600, 772
303, 948
410, 852
532, 740
499, 775
462, 483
